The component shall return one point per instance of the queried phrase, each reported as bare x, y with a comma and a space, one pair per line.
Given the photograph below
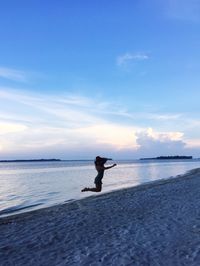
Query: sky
113, 78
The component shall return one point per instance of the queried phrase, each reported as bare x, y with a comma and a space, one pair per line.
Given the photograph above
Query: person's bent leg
98, 187
95, 189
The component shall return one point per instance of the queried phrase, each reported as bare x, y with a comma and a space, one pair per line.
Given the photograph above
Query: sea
26, 186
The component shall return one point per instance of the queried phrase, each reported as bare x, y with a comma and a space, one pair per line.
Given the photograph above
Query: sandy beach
153, 224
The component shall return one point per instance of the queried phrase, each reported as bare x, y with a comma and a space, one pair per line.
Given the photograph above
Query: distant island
168, 158
30, 160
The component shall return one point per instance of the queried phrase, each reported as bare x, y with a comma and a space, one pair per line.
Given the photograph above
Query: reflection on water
26, 186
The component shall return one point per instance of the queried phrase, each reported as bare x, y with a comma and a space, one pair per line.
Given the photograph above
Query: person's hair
100, 160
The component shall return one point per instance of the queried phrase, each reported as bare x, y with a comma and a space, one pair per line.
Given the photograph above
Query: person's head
98, 158
101, 160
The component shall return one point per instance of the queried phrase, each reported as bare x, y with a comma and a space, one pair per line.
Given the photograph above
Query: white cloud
160, 143
163, 136
131, 57
12, 74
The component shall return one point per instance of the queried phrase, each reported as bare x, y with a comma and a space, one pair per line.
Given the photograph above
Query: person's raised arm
108, 167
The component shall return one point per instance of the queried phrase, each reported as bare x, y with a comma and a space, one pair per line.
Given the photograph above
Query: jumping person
99, 165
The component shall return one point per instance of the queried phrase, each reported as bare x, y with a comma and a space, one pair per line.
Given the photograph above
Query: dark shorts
98, 179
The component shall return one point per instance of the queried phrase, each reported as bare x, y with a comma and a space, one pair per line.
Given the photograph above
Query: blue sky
115, 78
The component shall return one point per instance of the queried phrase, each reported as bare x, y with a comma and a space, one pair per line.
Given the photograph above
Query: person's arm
108, 167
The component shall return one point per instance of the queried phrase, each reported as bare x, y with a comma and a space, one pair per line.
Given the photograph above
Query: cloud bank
162, 143
73, 127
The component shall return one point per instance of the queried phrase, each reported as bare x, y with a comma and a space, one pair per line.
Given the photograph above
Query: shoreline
156, 223
139, 187
46, 193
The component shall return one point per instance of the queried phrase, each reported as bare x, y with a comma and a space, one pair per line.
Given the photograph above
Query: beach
157, 223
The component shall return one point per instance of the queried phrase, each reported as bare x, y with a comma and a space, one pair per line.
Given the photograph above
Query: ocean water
32, 185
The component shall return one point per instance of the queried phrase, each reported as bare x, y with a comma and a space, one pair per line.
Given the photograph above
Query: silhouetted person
99, 165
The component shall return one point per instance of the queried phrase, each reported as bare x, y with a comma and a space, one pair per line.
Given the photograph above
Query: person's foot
85, 189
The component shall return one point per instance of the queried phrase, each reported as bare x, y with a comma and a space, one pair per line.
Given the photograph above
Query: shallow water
33, 185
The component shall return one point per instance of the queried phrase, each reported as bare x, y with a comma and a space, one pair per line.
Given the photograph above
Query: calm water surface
33, 185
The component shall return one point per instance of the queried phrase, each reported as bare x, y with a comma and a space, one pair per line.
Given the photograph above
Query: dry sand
152, 224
